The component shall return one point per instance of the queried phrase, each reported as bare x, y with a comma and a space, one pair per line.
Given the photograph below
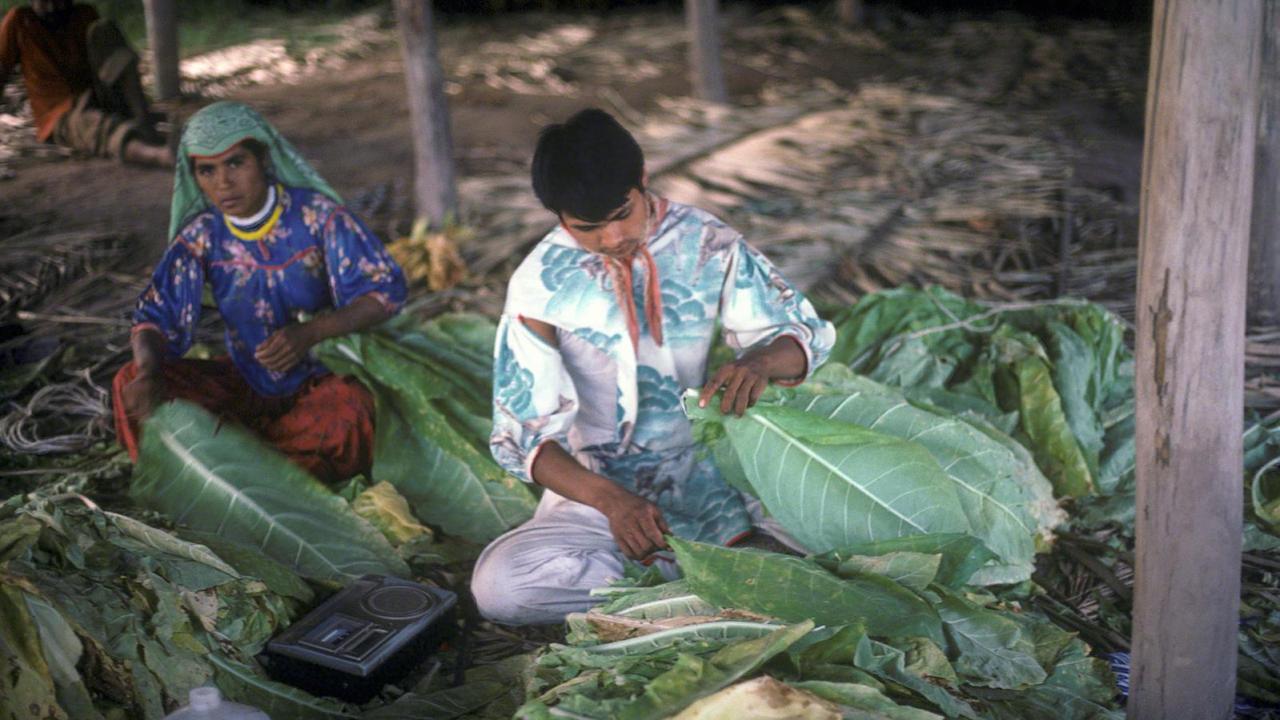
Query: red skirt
326, 427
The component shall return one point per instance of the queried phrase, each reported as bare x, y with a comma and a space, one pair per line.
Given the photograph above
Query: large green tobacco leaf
223, 480
833, 484
866, 326
793, 589
425, 445
869, 703
1005, 498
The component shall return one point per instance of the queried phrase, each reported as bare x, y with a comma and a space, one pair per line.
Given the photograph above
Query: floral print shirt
615, 407
317, 256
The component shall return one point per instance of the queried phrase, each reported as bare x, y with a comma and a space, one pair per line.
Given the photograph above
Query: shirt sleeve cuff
808, 360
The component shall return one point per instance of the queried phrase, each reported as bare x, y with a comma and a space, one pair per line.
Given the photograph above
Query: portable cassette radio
371, 633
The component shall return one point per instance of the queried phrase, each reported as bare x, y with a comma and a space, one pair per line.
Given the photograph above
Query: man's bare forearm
558, 471
782, 359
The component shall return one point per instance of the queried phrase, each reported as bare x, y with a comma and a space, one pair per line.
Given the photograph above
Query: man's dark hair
586, 165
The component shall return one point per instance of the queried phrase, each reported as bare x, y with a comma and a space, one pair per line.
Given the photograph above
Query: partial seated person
607, 322
255, 223
82, 81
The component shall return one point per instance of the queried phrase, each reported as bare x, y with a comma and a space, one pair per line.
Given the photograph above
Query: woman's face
234, 182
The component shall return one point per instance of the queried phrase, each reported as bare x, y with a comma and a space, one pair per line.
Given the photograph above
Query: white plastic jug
206, 703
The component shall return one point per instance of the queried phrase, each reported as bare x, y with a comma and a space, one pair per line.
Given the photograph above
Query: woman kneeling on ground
252, 219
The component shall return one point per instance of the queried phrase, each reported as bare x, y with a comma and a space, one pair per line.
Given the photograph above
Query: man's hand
285, 348
637, 524
743, 381
143, 395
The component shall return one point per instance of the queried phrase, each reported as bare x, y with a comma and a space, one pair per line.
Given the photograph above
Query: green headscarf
213, 131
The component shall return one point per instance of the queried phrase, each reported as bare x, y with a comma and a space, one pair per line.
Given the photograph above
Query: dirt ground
353, 123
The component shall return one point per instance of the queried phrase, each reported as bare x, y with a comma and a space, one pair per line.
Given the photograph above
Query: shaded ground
352, 121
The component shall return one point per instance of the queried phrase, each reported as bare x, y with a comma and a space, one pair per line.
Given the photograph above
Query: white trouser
545, 569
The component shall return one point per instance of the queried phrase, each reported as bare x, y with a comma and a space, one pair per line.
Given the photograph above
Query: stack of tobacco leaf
1058, 378
882, 630
119, 614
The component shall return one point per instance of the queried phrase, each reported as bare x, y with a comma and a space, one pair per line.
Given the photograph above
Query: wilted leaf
388, 511
166, 542
867, 702
992, 650
62, 652
26, 686
763, 698
889, 663
240, 683
961, 555
910, 569
444, 704
673, 599
252, 562
693, 678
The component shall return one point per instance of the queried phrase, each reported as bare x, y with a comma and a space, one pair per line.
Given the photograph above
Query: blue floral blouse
615, 407
317, 256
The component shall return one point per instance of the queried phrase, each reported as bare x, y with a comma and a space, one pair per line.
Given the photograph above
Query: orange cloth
620, 271
622, 287
326, 428
55, 63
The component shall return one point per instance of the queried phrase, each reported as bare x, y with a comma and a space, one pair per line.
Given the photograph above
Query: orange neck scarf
620, 272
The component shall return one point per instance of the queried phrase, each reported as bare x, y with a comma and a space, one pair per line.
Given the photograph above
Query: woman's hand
286, 347
143, 395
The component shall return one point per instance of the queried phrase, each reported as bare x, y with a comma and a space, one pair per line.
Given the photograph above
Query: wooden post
435, 193
1197, 185
851, 13
705, 72
1264, 241
162, 37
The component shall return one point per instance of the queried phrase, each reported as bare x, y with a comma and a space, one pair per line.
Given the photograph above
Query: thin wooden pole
851, 13
1264, 241
1197, 187
705, 73
435, 192
162, 37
